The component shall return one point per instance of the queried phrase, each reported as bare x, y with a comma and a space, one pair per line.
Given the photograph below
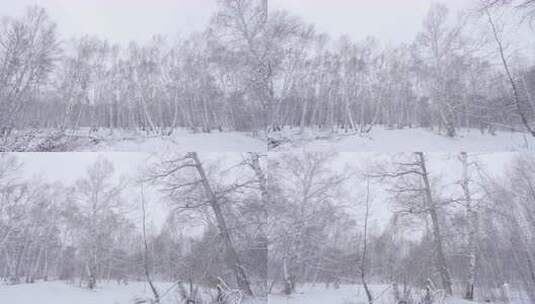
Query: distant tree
98, 200
527, 6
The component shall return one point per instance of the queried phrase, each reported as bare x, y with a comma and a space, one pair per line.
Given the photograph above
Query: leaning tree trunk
232, 255
437, 236
514, 87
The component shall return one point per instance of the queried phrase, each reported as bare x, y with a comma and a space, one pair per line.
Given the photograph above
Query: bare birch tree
210, 198
412, 187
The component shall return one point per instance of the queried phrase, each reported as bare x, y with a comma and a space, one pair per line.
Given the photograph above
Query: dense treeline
207, 81
451, 76
466, 233
249, 70
93, 230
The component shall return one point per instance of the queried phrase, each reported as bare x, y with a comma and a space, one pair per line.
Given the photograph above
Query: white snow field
348, 294
58, 292
380, 139
184, 142
345, 294
118, 140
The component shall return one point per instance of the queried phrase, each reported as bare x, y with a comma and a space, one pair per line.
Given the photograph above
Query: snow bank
381, 139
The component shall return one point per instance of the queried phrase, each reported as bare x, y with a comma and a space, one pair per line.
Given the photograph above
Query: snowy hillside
380, 139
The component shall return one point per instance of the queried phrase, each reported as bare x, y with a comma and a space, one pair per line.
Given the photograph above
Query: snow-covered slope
381, 139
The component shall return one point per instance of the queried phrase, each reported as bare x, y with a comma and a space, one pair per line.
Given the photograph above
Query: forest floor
118, 140
58, 292
381, 139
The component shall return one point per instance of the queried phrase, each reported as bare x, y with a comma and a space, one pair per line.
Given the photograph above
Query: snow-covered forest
295, 227
401, 228
259, 76
463, 71
267, 151
65, 93
184, 229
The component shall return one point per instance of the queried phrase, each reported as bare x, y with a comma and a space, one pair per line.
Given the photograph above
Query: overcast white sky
392, 21
68, 167
444, 168
121, 20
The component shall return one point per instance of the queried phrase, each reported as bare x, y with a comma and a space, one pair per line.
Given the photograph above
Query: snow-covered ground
183, 142
118, 140
352, 294
58, 292
381, 139
319, 294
